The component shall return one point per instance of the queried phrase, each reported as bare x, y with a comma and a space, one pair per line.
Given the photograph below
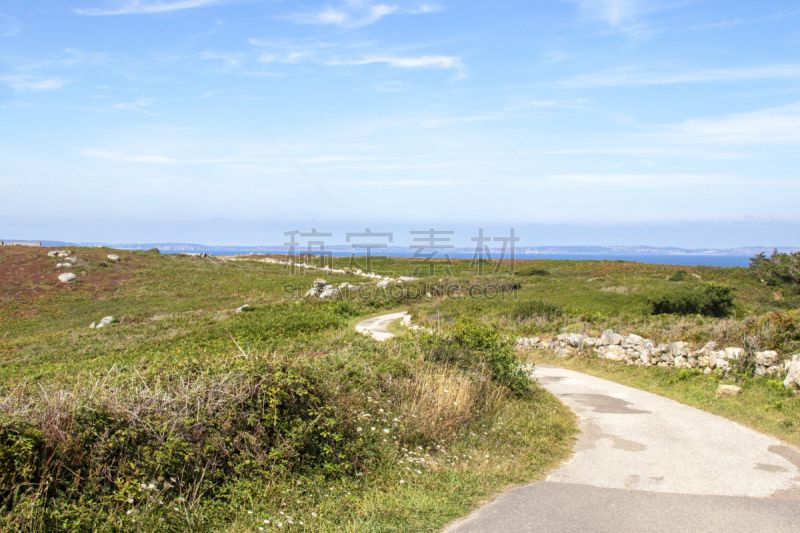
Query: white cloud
635, 76
410, 183
139, 105
22, 82
617, 13
116, 156
643, 180
138, 7
444, 62
357, 13
9, 26
777, 125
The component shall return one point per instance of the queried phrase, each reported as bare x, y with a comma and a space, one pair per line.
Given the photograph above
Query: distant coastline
724, 257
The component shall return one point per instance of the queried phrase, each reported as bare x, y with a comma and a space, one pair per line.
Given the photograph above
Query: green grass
763, 405
184, 404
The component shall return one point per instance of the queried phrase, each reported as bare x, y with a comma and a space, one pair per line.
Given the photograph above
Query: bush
779, 268
710, 300
531, 271
470, 345
531, 308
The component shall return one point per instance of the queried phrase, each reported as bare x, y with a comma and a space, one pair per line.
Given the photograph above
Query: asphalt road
644, 463
648, 464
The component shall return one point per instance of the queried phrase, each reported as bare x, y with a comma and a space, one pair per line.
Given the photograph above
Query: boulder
52, 254
734, 353
63, 265
67, 277
723, 364
92, 325
708, 347
728, 390
644, 356
63, 254
680, 362
678, 348
312, 292
244, 308
614, 352
704, 361
768, 358
609, 338
792, 381
320, 283
634, 340
330, 292
691, 362
572, 339
383, 284
106, 320
113, 257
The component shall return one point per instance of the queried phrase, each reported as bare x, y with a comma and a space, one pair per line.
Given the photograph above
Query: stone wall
635, 350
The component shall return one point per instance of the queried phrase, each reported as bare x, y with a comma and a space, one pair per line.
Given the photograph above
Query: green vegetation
778, 269
184, 415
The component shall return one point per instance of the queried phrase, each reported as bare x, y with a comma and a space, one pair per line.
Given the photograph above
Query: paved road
376, 326
646, 463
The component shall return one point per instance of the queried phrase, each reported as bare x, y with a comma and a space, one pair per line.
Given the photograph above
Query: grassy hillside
185, 415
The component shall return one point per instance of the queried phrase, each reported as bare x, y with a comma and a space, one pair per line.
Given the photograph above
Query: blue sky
231, 121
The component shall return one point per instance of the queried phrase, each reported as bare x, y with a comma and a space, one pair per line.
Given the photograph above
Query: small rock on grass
106, 321
244, 308
113, 257
52, 254
67, 277
728, 390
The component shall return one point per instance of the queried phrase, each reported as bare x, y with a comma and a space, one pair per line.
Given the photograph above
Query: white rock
680, 362
792, 381
610, 338
67, 277
320, 283
734, 353
329, 293
408, 278
709, 347
92, 325
63, 265
644, 356
52, 254
704, 361
113, 257
244, 308
614, 352
312, 292
383, 284
634, 340
678, 348
728, 390
106, 321
63, 254
71, 259
768, 358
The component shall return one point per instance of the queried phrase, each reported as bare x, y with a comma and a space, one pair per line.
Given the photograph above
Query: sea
672, 259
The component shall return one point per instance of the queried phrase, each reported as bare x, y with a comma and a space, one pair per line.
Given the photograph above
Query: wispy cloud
410, 183
25, 82
642, 180
633, 76
138, 7
357, 13
617, 13
777, 125
9, 26
140, 105
116, 156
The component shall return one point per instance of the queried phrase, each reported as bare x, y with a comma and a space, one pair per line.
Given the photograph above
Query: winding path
377, 326
645, 463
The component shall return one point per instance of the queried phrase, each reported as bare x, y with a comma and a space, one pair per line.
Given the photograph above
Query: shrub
532, 308
779, 268
531, 271
710, 300
470, 345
